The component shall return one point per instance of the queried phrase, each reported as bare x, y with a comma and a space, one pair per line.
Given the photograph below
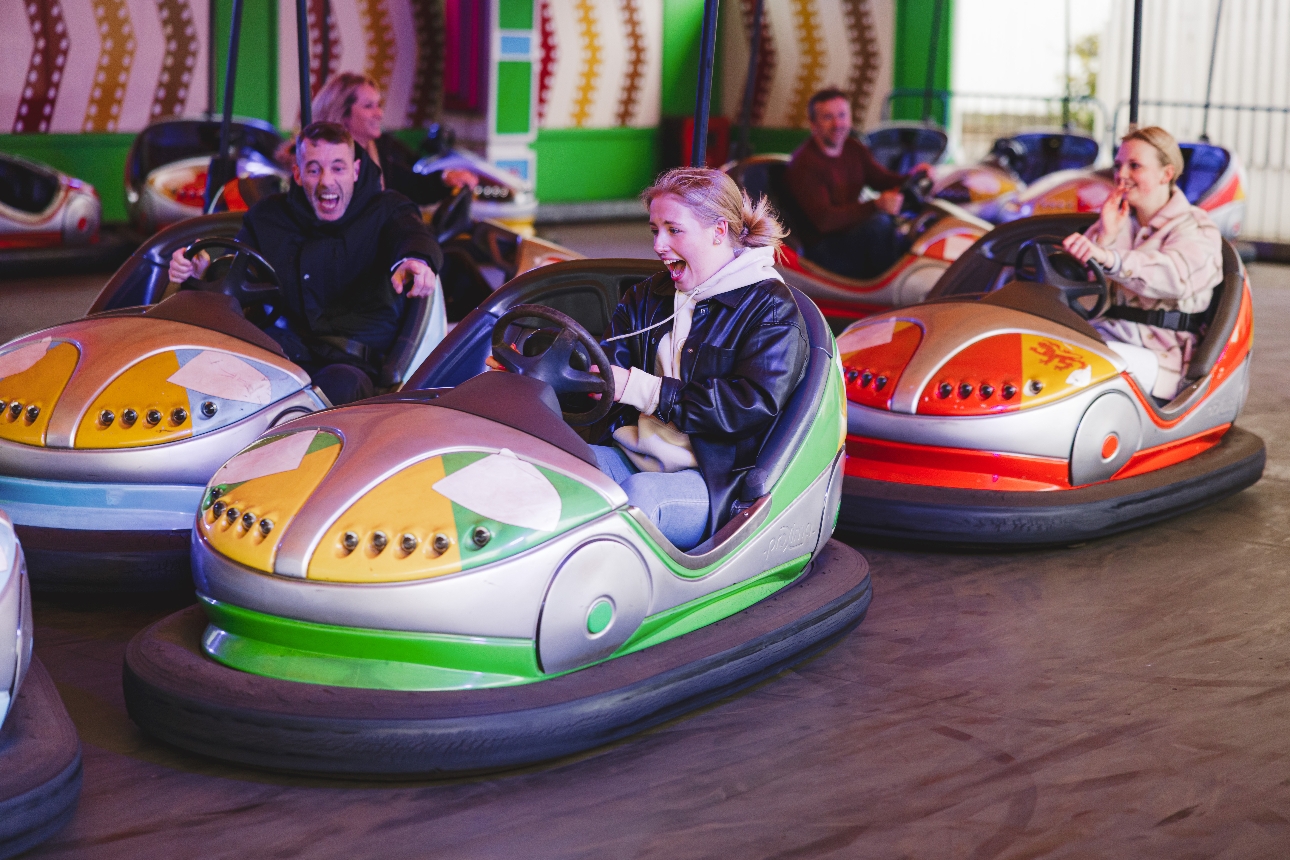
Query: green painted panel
515, 14
255, 93
911, 52
99, 159
354, 657
713, 607
682, 41
595, 164
514, 91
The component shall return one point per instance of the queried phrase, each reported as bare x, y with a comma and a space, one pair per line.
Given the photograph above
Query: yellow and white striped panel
605, 64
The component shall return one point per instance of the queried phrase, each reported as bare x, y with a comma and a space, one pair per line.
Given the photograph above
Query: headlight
874, 354
32, 378
1008, 372
179, 393
253, 497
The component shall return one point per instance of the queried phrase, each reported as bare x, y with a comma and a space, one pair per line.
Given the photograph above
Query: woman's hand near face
1115, 211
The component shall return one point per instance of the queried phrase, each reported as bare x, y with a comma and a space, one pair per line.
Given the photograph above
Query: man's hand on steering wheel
891, 202
182, 268
416, 275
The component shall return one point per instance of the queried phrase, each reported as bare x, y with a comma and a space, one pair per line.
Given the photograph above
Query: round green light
602, 612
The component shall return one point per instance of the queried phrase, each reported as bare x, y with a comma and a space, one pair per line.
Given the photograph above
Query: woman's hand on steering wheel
1084, 249
555, 365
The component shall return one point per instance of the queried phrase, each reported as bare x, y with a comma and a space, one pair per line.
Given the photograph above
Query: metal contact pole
1136, 68
1209, 83
302, 57
932, 51
745, 114
703, 100
223, 166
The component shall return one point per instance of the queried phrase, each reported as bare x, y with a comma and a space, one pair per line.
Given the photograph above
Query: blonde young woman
705, 355
1162, 253
354, 101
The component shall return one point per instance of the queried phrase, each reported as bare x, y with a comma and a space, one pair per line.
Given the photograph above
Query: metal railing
1259, 134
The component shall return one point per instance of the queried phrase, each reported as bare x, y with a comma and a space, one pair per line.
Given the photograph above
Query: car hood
394, 491
76, 385
966, 358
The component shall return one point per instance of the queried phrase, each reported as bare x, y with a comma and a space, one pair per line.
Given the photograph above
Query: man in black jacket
344, 251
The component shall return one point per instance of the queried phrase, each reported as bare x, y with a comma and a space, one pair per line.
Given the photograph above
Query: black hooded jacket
335, 275
743, 358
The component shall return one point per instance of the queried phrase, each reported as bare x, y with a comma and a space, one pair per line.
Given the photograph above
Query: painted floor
1125, 698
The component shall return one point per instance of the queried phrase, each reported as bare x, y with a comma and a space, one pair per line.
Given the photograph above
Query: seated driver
344, 251
827, 175
1162, 253
705, 355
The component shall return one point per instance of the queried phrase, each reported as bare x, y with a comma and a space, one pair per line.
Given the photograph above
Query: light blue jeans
676, 502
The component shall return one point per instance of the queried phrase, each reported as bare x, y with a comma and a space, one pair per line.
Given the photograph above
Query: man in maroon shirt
827, 175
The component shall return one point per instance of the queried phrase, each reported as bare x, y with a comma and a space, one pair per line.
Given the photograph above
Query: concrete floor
1124, 698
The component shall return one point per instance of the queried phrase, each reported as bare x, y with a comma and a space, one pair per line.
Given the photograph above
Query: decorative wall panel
807, 45
601, 63
100, 65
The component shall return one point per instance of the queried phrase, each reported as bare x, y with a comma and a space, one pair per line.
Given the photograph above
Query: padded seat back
791, 428
1224, 308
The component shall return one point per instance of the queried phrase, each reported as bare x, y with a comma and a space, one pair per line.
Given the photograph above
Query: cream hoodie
652, 445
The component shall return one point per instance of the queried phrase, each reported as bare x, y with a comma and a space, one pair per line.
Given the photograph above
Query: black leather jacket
743, 358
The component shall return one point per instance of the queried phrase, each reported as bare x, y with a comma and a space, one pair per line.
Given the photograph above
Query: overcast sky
1018, 46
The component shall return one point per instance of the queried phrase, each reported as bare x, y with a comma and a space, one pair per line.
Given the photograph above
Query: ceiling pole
1136, 68
933, 50
223, 166
1209, 84
703, 99
302, 57
750, 85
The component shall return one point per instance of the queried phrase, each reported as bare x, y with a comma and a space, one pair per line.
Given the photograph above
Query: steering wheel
554, 365
453, 215
234, 282
1047, 250
916, 190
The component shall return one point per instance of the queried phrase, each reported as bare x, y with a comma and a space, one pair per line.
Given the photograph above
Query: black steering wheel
1050, 258
234, 282
453, 217
916, 191
555, 364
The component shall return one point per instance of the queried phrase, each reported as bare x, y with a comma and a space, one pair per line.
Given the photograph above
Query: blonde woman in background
1162, 253
354, 101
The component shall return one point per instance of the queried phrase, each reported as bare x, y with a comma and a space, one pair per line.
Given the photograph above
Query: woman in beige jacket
1162, 253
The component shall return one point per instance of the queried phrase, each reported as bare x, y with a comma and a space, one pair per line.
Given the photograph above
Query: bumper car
113, 424
1014, 164
41, 208
995, 415
938, 232
40, 755
442, 581
166, 168
501, 196
1213, 178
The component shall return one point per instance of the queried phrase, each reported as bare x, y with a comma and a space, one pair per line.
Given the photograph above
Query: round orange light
1110, 445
